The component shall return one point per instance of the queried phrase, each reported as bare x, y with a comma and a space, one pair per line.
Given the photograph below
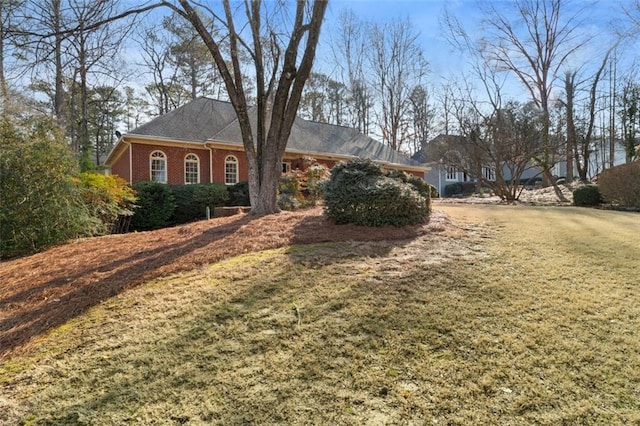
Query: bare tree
349, 57
534, 52
8, 20
422, 116
397, 66
279, 75
163, 89
497, 140
91, 52
69, 52
580, 138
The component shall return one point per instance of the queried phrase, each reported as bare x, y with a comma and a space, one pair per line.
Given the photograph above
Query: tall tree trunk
56, 14
3, 80
265, 149
572, 152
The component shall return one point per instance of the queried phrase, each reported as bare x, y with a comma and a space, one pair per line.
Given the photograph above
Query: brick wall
121, 166
175, 162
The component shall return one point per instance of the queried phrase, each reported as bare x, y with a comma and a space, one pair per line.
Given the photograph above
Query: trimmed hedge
587, 195
156, 205
460, 188
239, 194
361, 192
621, 185
161, 205
191, 201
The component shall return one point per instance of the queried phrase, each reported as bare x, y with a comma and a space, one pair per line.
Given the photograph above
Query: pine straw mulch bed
43, 291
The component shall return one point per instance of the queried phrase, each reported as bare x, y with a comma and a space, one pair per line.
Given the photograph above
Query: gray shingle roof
196, 121
206, 119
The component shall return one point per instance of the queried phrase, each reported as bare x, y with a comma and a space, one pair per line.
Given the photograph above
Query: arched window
230, 170
158, 166
191, 169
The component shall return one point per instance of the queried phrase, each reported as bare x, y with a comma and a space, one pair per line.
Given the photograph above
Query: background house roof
205, 119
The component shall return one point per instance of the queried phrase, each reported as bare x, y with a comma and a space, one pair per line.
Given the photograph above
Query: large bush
107, 197
156, 205
40, 204
621, 185
587, 195
361, 192
191, 201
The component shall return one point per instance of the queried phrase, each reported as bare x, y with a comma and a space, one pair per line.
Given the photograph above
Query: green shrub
460, 188
532, 181
289, 184
316, 175
239, 194
360, 192
621, 185
417, 183
107, 197
40, 204
156, 205
191, 201
587, 195
453, 189
288, 202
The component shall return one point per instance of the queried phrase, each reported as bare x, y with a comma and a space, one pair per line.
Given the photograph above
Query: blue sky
598, 20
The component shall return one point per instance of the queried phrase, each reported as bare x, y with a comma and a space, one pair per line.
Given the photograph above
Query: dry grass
517, 316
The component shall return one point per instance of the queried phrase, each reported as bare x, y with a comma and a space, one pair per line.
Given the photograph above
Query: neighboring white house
441, 174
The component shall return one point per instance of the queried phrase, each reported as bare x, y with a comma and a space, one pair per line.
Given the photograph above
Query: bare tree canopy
279, 73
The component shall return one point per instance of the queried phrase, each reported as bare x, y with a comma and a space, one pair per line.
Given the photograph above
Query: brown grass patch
45, 290
512, 316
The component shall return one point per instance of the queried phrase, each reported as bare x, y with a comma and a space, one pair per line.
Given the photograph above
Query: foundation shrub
460, 188
156, 206
621, 185
239, 194
191, 201
302, 187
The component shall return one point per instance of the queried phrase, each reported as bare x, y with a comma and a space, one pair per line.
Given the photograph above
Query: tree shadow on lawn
88, 272
42, 306
194, 361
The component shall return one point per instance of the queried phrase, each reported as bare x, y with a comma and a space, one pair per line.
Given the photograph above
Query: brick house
200, 142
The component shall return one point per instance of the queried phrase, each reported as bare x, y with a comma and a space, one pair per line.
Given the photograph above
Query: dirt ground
43, 291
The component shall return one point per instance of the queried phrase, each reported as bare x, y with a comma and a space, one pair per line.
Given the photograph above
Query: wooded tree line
581, 101
72, 60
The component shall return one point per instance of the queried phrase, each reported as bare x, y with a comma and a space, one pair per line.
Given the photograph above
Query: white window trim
231, 159
197, 163
454, 173
286, 166
166, 166
488, 173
